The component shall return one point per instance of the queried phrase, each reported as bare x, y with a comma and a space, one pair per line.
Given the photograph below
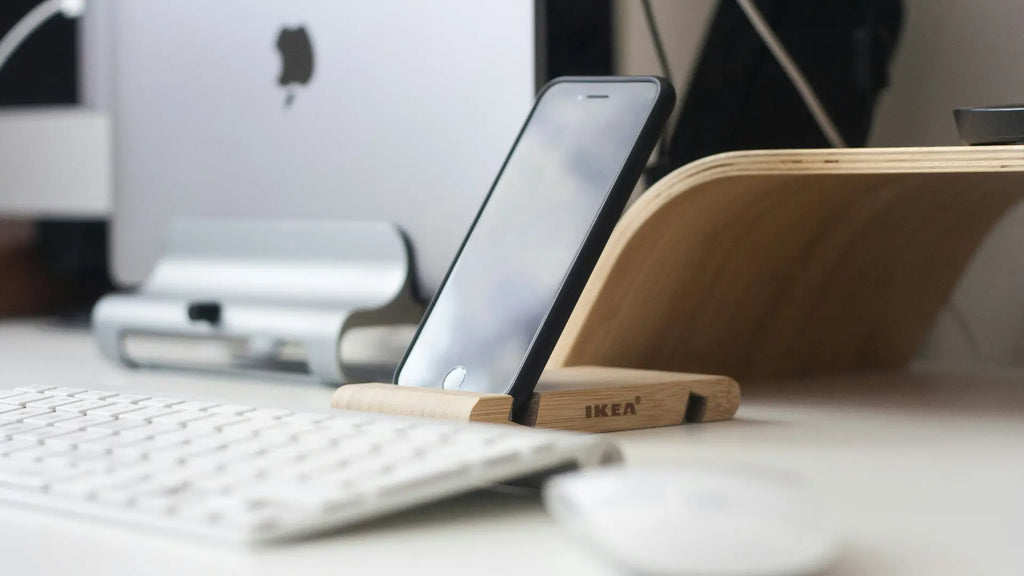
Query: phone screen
529, 232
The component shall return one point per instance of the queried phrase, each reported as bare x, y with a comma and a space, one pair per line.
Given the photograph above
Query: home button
454, 378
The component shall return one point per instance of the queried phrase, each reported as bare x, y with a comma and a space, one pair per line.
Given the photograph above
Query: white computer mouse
662, 521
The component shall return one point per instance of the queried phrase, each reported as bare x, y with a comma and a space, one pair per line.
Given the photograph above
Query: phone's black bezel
583, 264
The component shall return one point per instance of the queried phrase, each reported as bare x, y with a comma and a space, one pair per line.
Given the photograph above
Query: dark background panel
44, 70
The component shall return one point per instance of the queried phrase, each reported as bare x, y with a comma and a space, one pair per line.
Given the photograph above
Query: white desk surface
921, 473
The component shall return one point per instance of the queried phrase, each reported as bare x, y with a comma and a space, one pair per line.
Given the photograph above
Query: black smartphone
498, 314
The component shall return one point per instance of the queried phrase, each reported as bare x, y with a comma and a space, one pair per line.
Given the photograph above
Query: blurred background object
889, 71
25, 288
42, 68
52, 220
739, 97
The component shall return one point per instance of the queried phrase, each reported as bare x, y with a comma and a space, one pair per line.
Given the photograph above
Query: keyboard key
159, 506
91, 484
115, 496
76, 437
23, 476
303, 431
35, 453
190, 451
9, 446
147, 413
50, 418
230, 409
183, 434
274, 462
197, 406
128, 398
65, 391
268, 413
23, 398
40, 434
252, 427
83, 422
163, 442
216, 421
181, 417
211, 441
161, 402
9, 393
81, 462
51, 402
5, 408
95, 395
19, 414
146, 448
305, 419
118, 425
112, 446
38, 388
419, 473
150, 430
226, 480
233, 506
115, 409
280, 433
11, 429
83, 406
80, 487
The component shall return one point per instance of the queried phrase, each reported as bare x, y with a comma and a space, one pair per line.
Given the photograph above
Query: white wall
964, 53
951, 53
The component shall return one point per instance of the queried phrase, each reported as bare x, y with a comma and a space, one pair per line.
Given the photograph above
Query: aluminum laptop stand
279, 295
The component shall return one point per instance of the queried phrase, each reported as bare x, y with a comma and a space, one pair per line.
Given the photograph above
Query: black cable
659, 48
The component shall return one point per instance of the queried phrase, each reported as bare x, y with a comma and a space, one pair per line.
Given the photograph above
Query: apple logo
296, 52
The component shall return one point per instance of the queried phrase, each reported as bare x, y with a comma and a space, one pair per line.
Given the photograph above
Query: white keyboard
250, 475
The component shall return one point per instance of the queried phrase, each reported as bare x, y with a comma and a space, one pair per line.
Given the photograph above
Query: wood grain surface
604, 399
425, 402
790, 263
583, 399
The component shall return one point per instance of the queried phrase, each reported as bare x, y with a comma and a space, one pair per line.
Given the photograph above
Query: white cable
793, 71
33, 20
72, 8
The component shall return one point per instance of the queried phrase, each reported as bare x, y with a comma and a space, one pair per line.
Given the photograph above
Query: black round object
991, 124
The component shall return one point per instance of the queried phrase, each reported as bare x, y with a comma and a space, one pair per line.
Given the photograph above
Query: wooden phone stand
756, 265
581, 398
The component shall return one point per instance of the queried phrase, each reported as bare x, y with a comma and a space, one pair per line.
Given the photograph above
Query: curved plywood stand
786, 263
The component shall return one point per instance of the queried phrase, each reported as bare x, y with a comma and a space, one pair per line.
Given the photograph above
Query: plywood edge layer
424, 402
